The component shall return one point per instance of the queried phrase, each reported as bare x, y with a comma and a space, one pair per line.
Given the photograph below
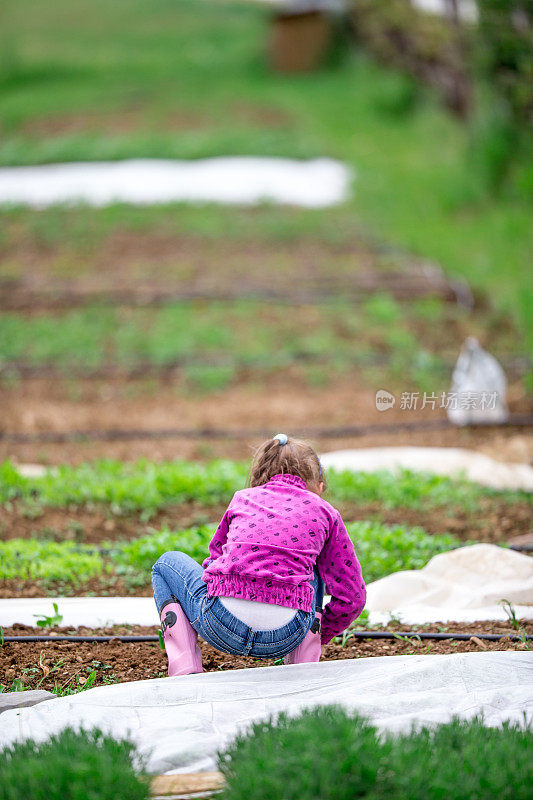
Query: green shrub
49, 561
502, 129
71, 766
425, 46
330, 754
506, 53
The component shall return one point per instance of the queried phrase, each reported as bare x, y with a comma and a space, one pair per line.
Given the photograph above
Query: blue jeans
176, 576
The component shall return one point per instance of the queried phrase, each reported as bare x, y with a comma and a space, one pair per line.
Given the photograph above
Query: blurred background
154, 330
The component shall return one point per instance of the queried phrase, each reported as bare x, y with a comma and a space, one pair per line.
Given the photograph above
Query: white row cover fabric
472, 579
94, 612
463, 585
316, 183
180, 723
101, 612
450, 461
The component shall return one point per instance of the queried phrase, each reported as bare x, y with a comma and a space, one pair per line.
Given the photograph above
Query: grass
83, 80
146, 487
333, 754
381, 550
72, 765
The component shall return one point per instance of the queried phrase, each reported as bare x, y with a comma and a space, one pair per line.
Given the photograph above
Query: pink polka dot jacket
267, 544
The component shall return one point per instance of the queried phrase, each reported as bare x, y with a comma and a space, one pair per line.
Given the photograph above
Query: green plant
72, 765
331, 754
425, 46
139, 555
48, 561
383, 549
510, 613
49, 622
146, 487
407, 639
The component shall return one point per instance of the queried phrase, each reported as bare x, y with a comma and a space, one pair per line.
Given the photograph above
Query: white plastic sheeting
236, 180
451, 461
182, 722
95, 612
471, 579
477, 374
100, 612
466, 584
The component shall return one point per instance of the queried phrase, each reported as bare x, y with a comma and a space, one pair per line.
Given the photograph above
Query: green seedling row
146, 487
381, 550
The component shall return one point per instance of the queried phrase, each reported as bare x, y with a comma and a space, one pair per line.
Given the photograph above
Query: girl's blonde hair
295, 457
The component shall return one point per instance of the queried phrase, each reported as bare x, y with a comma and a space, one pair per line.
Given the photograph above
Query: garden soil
494, 520
63, 667
286, 400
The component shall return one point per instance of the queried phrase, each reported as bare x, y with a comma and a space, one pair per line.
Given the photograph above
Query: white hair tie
282, 438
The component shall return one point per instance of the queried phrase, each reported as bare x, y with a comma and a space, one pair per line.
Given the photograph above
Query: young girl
260, 591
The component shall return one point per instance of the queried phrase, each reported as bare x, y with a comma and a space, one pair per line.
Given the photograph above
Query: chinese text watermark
451, 401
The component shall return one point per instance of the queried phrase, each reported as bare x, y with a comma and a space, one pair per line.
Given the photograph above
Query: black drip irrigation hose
517, 366
464, 637
122, 435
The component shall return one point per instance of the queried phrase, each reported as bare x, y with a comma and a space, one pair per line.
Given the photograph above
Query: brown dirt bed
285, 401
494, 521
64, 665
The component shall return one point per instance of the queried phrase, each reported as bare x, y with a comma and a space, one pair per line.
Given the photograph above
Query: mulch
63, 667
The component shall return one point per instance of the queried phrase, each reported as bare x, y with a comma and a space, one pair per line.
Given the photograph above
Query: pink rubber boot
310, 649
184, 656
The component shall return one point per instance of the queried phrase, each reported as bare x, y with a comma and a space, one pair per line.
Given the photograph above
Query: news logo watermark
450, 401
384, 400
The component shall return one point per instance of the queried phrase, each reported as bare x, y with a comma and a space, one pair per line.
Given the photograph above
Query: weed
49, 622
510, 613
46, 670
407, 639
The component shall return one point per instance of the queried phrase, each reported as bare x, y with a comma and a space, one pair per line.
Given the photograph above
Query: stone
9, 700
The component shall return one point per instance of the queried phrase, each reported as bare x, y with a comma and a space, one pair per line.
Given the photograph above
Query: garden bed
494, 521
65, 667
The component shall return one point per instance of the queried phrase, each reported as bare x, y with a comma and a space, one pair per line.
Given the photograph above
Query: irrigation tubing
490, 637
515, 366
125, 434
426, 281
